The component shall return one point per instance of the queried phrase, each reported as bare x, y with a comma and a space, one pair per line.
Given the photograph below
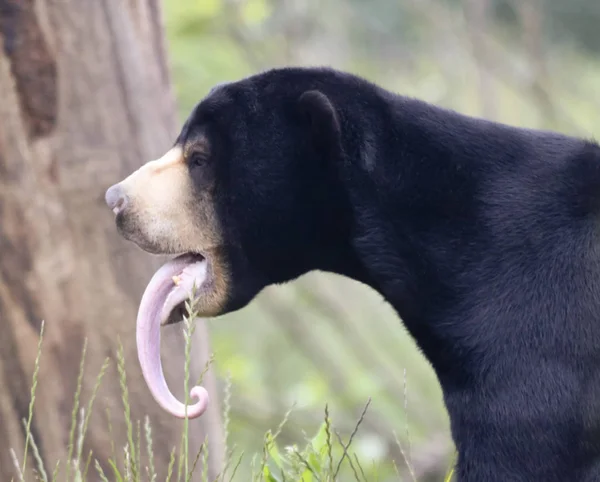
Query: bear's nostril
115, 198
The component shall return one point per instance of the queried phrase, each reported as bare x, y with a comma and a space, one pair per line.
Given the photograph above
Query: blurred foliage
325, 339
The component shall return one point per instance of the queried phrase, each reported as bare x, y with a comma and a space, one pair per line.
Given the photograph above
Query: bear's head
249, 195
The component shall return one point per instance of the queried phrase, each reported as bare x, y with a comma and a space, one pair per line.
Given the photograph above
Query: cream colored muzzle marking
164, 208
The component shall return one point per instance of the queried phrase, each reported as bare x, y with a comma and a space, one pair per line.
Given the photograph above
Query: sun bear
485, 238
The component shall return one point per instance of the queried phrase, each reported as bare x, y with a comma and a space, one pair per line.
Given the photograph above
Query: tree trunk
85, 99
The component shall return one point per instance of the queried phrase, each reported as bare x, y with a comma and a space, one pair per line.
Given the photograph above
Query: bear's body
485, 238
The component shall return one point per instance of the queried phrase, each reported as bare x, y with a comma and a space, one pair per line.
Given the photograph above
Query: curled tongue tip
169, 403
178, 409
201, 405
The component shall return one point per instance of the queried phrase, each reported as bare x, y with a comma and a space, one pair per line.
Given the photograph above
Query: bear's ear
322, 121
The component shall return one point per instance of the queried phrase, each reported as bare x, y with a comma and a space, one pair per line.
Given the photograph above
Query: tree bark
85, 99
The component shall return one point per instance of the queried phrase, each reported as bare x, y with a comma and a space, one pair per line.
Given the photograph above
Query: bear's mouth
171, 286
163, 302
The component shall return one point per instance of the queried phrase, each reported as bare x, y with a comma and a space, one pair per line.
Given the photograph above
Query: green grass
319, 459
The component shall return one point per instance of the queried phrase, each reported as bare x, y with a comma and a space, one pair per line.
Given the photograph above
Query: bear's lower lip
194, 271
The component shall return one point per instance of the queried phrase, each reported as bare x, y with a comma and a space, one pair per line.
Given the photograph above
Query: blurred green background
325, 339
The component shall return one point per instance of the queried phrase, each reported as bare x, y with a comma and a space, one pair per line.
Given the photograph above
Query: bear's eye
198, 160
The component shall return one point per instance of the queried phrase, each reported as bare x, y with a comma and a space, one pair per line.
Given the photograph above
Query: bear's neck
413, 189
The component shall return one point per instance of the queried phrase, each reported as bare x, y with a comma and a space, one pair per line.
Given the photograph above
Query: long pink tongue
160, 296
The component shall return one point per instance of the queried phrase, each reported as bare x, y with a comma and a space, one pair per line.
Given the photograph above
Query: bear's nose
115, 198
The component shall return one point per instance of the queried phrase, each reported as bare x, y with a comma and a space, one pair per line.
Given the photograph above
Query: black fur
485, 239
